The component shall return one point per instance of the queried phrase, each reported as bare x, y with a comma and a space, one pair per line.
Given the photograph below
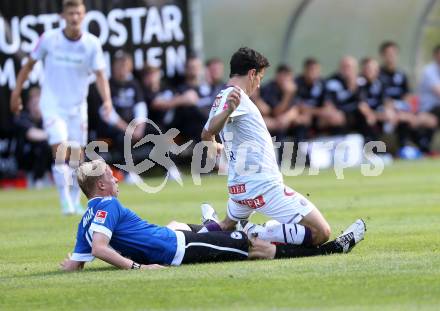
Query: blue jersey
129, 235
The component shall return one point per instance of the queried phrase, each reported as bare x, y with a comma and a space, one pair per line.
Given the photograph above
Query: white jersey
67, 67
253, 168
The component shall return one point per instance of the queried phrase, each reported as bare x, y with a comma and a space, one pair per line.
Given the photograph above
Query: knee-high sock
75, 191
62, 178
284, 233
209, 227
295, 251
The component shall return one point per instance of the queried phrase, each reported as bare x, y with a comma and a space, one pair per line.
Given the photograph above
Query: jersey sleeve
97, 61
220, 105
40, 49
431, 78
82, 250
242, 109
106, 218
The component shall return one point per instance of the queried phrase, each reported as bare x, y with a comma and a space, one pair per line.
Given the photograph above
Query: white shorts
280, 203
66, 126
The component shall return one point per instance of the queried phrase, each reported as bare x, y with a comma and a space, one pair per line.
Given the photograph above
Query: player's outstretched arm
15, 102
101, 250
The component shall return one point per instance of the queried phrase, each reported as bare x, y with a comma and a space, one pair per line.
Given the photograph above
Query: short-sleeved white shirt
430, 79
68, 65
249, 148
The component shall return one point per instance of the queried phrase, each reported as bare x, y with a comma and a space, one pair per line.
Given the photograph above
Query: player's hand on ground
16, 104
233, 99
71, 265
152, 267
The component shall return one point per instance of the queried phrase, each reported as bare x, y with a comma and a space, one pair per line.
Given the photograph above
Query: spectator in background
191, 111
215, 71
281, 114
129, 105
161, 103
340, 110
372, 104
127, 99
174, 107
34, 153
310, 93
157, 97
429, 90
397, 89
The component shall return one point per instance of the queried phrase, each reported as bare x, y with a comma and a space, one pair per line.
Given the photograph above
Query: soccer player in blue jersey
119, 237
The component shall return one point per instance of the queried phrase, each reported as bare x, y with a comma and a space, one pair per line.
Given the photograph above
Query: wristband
135, 266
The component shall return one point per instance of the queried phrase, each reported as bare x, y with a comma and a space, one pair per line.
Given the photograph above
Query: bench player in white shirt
70, 55
255, 182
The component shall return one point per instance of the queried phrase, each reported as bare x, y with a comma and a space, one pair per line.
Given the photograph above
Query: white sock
75, 191
62, 179
281, 233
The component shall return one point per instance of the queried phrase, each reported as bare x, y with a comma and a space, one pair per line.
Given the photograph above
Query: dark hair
246, 59
283, 68
387, 44
213, 60
366, 60
310, 61
192, 56
436, 49
147, 69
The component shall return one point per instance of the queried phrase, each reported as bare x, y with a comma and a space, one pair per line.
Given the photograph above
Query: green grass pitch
397, 267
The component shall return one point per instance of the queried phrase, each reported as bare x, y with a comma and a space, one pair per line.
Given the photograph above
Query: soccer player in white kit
255, 182
70, 55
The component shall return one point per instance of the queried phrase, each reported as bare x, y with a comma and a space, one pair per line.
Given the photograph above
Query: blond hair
88, 174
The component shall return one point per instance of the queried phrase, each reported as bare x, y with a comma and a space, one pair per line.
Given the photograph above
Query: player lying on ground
119, 237
248, 144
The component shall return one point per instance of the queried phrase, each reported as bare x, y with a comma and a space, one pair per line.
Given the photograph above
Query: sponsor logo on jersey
252, 203
237, 189
100, 217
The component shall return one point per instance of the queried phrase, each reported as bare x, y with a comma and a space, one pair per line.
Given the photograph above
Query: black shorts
215, 246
